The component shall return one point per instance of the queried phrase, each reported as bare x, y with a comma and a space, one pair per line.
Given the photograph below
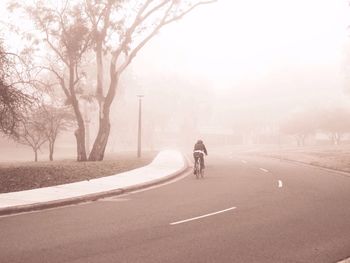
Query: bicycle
198, 170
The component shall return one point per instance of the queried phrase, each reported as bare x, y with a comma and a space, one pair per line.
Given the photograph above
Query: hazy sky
254, 46
231, 42
279, 55
253, 58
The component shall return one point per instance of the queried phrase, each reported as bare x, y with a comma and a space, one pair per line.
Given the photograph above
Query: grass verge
18, 176
332, 157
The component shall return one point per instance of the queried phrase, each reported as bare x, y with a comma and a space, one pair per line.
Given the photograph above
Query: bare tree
334, 123
31, 132
54, 121
63, 30
122, 29
13, 101
117, 30
300, 125
12, 104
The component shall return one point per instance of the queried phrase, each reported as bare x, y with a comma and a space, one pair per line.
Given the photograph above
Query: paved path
167, 164
244, 210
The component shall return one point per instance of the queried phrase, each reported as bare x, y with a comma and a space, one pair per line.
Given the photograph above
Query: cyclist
198, 152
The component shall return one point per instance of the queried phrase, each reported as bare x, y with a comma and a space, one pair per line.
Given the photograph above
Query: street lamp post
139, 127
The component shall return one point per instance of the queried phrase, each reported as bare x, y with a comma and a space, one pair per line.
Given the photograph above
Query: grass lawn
332, 156
18, 176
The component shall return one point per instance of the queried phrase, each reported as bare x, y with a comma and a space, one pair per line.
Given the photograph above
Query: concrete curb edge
92, 197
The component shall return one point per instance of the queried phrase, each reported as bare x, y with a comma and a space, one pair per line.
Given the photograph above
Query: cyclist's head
199, 141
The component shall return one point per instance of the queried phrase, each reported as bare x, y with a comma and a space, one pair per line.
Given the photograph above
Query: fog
234, 73
240, 67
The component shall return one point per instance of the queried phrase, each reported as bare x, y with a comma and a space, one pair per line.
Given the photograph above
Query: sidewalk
167, 165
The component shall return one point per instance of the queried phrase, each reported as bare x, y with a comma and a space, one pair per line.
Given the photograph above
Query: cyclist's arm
205, 150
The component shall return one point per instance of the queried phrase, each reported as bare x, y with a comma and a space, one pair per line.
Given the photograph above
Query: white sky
248, 39
241, 38
262, 57
254, 50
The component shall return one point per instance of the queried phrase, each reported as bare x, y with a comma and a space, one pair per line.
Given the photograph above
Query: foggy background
233, 73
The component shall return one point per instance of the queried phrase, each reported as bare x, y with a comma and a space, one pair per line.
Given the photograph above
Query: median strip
203, 216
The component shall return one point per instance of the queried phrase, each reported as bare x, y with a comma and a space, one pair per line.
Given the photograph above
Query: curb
91, 197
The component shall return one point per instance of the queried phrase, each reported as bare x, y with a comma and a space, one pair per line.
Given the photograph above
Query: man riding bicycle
198, 152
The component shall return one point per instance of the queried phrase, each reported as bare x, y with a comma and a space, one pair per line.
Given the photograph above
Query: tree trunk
80, 139
98, 150
35, 155
80, 132
51, 150
100, 73
337, 138
99, 147
301, 139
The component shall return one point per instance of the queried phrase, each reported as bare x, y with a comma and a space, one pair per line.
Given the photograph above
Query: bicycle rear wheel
202, 172
197, 169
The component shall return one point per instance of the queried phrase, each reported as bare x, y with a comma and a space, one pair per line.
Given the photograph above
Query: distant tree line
334, 123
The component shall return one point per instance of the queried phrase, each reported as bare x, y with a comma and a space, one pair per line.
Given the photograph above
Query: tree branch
142, 43
61, 81
140, 19
189, 10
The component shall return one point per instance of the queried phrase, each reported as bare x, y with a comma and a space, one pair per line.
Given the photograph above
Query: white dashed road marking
203, 216
264, 170
280, 184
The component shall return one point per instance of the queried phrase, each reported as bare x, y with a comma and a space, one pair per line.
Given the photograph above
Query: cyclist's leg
202, 161
195, 162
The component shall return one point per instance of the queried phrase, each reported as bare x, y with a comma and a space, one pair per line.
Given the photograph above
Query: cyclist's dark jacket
200, 147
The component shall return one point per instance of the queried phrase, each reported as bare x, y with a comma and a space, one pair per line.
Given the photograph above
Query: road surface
246, 209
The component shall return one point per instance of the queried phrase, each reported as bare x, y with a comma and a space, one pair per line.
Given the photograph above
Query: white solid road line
264, 170
199, 217
280, 184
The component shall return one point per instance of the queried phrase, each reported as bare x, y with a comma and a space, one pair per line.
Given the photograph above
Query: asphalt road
246, 209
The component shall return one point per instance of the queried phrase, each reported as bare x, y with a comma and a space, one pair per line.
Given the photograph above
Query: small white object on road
244, 161
199, 217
